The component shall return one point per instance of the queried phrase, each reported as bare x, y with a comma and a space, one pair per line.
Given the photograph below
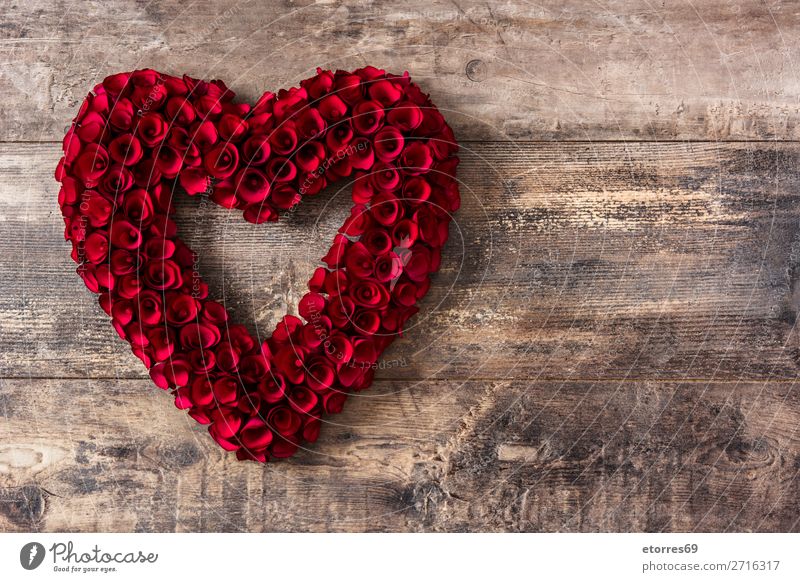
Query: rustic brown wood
611, 344
433, 456
550, 69
577, 261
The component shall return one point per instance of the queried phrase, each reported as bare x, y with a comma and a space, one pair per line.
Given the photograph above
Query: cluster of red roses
138, 135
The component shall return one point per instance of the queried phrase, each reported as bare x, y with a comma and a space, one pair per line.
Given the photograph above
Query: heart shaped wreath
140, 137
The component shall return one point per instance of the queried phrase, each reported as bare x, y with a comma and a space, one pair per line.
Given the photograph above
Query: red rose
251, 185
221, 161
416, 158
152, 129
284, 420
92, 163
388, 143
125, 149
369, 294
160, 275
367, 117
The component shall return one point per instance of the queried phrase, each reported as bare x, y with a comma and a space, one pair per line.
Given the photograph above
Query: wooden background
611, 344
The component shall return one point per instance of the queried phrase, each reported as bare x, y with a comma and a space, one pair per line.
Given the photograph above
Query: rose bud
251, 185
417, 190
284, 139
311, 428
332, 108
310, 124
160, 275
122, 115
255, 434
200, 392
227, 357
180, 110
432, 122
377, 241
289, 102
200, 335
362, 190
289, 361
204, 134
367, 117
359, 261
405, 233
226, 424
232, 128
181, 308
122, 313
96, 247
348, 87
123, 262
272, 388
129, 286
302, 399
385, 208
226, 390
208, 107
91, 164
309, 155
284, 197
367, 321
339, 136
405, 116
253, 367
169, 161
385, 92
125, 149
388, 143
152, 129
336, 253
311, 305
259, 213
388, 267
321, 376
369, 294
416, 158
385, 177
221, 160
333, 402
256, 150
194, 181
284, 420
124, 235
363, 156
149, 307
319, 84
340, 310
146, 174
281, 170
116, 84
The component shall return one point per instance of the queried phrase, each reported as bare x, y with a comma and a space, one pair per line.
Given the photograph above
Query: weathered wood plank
662, 260
551, 70
89, 455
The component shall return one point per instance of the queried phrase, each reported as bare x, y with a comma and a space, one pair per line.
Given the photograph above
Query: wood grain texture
610, 345
656, 260
427, 456
514, 70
